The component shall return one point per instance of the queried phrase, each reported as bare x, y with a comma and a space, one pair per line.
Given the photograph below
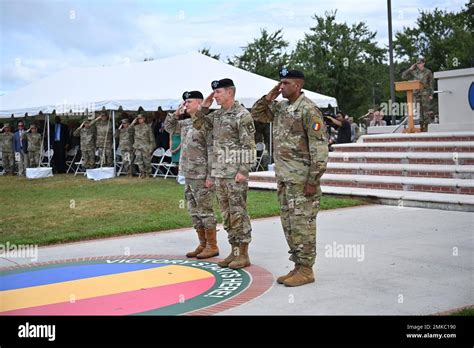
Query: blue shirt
57, 132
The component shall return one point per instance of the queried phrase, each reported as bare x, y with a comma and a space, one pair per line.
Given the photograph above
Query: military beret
291, 74
192, 95
222, 83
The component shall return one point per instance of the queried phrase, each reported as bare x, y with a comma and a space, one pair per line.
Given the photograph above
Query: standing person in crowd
143, 145
378, 120
8, 157
234, 150
344, 128
104, 141
20, 148
195, 166
301, 144
87, 133
60, 142
33, 141
424, 96
125, 139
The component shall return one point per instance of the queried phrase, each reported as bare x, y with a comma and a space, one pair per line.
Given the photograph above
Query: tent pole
49, 142
113, 142
270, 155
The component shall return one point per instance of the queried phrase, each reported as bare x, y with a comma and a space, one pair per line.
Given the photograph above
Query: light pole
390, 53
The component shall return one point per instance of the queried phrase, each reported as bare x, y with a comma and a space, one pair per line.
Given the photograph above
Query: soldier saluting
195, 167
88, 141
233, 134
33, 141
424, 96
301, 152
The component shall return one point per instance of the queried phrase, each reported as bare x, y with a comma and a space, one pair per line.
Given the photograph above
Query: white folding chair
119, 161
80, 167
260, 153
159, 154
44, 158
71, 157
164, 168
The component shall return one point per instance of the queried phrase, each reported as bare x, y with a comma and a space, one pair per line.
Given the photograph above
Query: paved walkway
385, 260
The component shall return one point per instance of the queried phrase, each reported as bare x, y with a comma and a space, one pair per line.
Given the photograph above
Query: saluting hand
274, 93
240, 178
180, 110
206, 103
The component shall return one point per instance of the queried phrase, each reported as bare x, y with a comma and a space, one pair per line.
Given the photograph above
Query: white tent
148, 84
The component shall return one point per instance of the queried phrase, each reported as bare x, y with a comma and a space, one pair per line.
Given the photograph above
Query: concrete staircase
433, 170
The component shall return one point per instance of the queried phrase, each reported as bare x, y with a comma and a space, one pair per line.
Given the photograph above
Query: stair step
442, 185
407, 170
421, 146
455, 202
434, 137
461, 158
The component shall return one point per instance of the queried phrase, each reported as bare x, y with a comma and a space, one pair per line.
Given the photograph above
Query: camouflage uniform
233, 152
34, 148
422, 96
88, 145
125, 138
143, 146
104, 141
8, 157
172, 125
302, 150
195, 167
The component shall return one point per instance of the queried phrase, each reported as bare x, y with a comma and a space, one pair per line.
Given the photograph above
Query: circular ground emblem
138, 285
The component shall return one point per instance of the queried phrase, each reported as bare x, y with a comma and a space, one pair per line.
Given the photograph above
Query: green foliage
265, 55
207, 51
341, 61
445, 38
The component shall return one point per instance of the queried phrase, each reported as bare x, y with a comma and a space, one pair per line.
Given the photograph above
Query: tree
444, 38
342, 61
264, 55
207, 51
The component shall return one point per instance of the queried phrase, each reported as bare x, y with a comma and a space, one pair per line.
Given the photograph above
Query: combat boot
202, 243
231, 257
211, 248
281, 279
242, 260
304, 275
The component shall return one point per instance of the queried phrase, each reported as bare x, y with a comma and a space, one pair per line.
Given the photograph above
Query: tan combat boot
202, 243
304, 275
281, 279
233, 254
242, 260
211, 248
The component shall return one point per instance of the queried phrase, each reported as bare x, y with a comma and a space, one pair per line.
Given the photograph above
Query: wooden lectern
409, 86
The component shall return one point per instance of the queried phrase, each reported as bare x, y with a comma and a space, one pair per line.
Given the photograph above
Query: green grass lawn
67, 208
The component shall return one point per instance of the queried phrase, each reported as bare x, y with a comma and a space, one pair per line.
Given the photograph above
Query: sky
41, 37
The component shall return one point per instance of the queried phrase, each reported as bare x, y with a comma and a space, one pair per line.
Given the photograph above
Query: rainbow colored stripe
100, 288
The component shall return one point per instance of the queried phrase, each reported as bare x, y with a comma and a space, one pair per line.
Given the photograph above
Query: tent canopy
147, 84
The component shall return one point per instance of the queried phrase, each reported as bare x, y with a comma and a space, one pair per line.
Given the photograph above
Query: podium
409, 86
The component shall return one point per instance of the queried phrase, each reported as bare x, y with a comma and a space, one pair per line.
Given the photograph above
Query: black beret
291, 74
192, 95
222, 83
